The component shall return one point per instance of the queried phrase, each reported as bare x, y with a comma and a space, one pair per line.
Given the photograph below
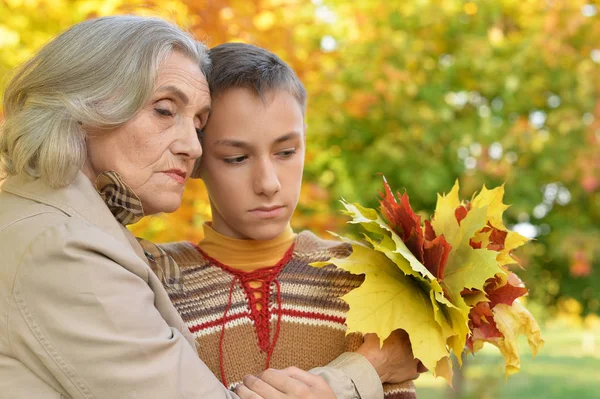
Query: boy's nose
266, 181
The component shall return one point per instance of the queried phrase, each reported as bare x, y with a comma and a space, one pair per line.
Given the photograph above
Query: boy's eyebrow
287, 137
232, 143
245, 144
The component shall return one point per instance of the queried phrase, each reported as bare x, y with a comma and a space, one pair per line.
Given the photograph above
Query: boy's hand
394, 362
289, 383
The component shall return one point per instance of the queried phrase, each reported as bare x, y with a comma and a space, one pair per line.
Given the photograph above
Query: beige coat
83, 316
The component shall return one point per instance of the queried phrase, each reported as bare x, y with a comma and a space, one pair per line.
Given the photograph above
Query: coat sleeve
83, 313
351, 376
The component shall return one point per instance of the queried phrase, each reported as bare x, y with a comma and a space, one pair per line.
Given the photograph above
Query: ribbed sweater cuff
361, 372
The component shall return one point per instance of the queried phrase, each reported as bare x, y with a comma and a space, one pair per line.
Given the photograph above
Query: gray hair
98, 73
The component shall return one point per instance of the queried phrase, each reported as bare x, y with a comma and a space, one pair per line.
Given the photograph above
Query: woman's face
154, 152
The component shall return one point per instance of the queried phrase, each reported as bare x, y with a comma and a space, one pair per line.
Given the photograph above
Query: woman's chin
166, 205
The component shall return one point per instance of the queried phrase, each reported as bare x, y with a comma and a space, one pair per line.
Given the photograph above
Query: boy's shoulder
308, 245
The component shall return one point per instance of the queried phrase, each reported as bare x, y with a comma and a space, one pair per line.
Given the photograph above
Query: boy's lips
268, 212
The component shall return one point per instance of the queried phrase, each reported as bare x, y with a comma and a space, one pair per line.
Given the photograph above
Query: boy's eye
287, 153
235, 160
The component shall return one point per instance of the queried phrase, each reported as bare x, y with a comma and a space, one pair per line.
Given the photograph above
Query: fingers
262, 388
371, 339
421, 367
284, 382
305, 377
399, 337
244, 393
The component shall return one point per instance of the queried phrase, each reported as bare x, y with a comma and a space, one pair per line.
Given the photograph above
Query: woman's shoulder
34, 234
23, 220
44, 248
22, 212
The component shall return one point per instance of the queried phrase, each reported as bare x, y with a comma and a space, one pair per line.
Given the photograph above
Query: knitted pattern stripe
300, 321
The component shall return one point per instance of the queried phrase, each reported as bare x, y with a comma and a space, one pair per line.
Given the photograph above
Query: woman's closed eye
165, 108
164, 112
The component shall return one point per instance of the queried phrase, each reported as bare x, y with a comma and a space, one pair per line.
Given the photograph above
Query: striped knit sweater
294, 317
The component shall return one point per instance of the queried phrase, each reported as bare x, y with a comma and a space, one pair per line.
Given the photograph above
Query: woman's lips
177, 175
268, 212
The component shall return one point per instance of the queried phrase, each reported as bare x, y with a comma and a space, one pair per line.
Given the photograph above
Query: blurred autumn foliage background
425, 92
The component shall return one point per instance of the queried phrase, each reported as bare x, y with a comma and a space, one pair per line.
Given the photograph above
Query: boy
248, 293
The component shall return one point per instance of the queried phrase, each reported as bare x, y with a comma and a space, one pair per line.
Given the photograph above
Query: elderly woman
101, 128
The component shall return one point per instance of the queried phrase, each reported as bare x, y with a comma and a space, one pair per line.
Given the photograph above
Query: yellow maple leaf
513, 240
389, 243
389, 300
432, 303
455, 316
513, 321
492, 199
451, 316
467, 267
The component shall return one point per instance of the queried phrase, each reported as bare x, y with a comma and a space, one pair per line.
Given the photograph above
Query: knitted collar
245, 255
120, 199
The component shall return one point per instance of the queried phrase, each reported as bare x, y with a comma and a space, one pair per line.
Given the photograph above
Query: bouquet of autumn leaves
446, 281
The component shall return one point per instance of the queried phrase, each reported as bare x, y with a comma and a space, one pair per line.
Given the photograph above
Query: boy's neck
246, 255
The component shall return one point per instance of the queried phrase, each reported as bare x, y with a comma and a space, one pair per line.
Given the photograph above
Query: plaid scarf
127, 208
122, 202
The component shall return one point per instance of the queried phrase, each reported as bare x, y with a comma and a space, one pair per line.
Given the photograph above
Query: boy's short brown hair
244, 65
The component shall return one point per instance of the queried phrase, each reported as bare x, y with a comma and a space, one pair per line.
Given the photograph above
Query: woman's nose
188, 141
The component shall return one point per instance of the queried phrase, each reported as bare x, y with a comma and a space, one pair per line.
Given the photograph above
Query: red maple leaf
497, 238
429, 232
461, 212
481, 321
430, 250
403, 220
482, 324
506, 293
436, 255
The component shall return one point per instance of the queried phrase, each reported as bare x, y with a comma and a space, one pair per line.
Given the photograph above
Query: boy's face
253, 161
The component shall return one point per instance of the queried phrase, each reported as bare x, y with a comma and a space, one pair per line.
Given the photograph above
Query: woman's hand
289, 383
394, 362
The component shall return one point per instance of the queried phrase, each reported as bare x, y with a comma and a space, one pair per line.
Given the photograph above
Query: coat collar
79, 199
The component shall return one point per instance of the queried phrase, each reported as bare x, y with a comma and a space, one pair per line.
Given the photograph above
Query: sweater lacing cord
259, 306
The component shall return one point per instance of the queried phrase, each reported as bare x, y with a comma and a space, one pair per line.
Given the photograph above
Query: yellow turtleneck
245, 255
